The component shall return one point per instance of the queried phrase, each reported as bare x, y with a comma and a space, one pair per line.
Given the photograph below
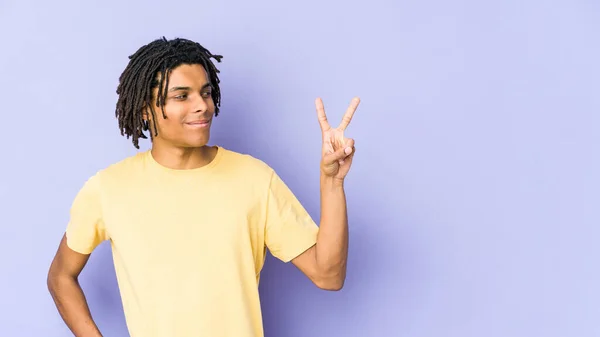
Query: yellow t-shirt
188, 245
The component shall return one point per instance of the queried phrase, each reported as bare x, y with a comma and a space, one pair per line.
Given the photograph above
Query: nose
200, 105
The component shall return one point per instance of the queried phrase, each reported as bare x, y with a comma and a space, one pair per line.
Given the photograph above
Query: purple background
474, 197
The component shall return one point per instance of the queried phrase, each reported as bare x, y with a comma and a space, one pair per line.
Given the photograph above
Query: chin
198, 142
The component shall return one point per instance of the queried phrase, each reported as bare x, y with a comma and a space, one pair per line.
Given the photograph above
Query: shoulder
246, 160
246, 165
120, 171
89, 194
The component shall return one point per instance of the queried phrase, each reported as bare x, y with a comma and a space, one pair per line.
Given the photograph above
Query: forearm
332, 240
72, 306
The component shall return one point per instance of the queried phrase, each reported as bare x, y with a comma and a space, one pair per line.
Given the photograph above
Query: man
189, 223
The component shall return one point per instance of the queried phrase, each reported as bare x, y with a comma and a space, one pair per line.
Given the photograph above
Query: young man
189, 223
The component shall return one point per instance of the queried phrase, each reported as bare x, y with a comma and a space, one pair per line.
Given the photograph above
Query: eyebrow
188, 88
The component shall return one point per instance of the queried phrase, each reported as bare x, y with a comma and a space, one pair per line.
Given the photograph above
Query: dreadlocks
140, 77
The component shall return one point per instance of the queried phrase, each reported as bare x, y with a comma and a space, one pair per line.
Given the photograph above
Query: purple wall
474, 197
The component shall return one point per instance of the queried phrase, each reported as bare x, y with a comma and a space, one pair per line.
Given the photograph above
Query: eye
206, 94
180, 97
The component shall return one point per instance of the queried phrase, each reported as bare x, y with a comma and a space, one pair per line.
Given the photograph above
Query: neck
178, 158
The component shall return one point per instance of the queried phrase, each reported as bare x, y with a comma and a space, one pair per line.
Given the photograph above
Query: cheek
172, 124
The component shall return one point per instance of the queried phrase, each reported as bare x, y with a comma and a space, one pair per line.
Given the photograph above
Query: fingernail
348, 150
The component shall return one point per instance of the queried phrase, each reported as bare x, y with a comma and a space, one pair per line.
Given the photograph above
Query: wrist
331, 182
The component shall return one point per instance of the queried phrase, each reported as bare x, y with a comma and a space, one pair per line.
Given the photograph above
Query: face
189, 109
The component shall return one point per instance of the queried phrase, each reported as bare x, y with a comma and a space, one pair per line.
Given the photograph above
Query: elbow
333, 285
333, 281
52, 281
56, 280
329, 274
50, 277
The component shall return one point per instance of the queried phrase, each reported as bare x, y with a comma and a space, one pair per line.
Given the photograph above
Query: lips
199, 123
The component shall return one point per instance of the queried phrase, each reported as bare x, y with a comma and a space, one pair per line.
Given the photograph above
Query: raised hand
338, 151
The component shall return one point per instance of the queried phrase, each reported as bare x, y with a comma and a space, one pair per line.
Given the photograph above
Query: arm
66, 292
325, 262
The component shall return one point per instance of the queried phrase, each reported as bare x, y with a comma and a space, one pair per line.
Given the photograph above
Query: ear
145, 119
145, 113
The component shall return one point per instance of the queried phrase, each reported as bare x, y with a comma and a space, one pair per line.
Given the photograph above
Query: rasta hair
149, 67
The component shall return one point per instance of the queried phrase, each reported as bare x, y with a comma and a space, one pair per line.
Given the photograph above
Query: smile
199, 124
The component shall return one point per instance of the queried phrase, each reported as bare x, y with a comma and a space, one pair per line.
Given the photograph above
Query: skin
67, 293
181, 143
325, 262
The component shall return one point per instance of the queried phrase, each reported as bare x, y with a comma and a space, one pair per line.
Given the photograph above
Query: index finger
349, 113
321, 115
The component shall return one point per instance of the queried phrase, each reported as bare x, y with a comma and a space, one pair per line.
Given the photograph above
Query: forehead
192, 75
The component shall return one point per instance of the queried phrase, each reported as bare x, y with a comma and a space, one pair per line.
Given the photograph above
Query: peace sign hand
338, 151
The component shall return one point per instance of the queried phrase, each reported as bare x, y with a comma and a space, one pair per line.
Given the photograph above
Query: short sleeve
85, 230
290, 230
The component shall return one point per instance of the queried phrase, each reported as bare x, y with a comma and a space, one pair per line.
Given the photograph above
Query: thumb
340, 154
